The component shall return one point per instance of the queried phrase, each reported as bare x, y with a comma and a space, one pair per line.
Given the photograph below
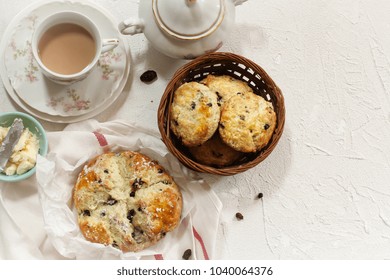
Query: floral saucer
43, 95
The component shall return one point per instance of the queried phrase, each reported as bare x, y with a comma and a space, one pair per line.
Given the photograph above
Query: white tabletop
326, 186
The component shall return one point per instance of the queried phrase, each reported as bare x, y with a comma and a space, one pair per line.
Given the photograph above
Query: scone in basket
238, 67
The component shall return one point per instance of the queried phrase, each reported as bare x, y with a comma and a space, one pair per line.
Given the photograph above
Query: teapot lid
189, 19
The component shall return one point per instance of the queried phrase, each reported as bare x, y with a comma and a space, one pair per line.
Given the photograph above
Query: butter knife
9, 142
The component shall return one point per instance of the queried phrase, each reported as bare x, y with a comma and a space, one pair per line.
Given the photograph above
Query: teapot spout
238, 2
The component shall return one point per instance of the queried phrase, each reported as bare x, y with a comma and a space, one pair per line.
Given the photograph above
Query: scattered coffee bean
148, 76
239, 216
187, 254
260, 195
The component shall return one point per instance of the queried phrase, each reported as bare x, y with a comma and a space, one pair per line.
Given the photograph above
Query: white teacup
67, 46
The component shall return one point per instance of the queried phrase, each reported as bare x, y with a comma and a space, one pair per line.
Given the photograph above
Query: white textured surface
327, 184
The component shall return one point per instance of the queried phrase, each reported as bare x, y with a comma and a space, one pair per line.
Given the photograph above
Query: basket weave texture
238, 67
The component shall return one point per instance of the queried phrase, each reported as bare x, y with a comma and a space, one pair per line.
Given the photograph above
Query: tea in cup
67, 46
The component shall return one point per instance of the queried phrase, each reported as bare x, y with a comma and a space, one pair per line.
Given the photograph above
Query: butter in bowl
22, 138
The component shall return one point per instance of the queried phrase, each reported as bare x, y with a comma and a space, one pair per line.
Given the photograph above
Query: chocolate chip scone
215, 152
247, 122
225, 87
194, 113
126, 200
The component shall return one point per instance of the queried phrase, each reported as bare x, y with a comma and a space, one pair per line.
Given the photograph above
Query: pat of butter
24, 156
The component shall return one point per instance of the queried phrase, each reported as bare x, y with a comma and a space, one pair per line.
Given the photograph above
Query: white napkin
70, 149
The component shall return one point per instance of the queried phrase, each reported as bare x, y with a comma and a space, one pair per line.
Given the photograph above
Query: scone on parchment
225, 87
126, 200
194, 114
215, 152
247, 122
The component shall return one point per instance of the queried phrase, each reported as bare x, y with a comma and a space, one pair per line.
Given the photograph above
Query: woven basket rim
199, 64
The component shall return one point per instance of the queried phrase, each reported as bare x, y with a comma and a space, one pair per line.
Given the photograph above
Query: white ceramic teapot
183, 28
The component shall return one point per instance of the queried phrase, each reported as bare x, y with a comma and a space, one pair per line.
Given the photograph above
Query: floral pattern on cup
105, 63
72, 102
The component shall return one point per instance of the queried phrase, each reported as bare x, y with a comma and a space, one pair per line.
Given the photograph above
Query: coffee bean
187, 254
239, 216
148, 76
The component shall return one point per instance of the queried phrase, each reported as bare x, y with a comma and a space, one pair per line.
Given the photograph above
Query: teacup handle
131, 26
109, 44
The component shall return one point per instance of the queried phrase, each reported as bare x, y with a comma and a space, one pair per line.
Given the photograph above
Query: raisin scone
225, 87
126, 200
247, 122
215, 152
194, 113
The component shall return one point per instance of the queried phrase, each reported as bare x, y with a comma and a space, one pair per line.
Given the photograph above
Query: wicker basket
220, 63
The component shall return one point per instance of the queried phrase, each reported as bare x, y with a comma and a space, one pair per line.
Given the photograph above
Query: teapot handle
131, 26
238, 2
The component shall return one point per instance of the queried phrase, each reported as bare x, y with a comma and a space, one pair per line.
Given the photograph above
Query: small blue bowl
35, 127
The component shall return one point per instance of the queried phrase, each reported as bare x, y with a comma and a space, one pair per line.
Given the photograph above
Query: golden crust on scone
194, 113
126, 200
247, 122
225, 87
